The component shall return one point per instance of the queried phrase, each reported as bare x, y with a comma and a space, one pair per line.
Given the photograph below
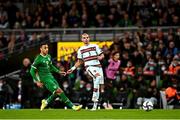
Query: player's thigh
92, 72
100, 70
51, 84
95, 72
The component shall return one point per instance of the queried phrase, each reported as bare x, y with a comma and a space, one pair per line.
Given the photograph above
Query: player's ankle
45, 101
74, 107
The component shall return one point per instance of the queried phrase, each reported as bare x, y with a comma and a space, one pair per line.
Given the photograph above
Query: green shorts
50, 83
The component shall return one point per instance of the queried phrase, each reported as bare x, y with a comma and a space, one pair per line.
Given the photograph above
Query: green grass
87, 114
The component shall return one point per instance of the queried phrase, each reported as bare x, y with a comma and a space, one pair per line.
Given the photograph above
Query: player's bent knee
59, 91
97, 74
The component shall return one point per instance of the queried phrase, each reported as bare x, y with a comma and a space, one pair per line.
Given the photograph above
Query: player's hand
69, 71
99, 57
63, 73
39, 84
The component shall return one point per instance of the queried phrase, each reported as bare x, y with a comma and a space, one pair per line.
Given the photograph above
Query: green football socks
50, 98
66, 100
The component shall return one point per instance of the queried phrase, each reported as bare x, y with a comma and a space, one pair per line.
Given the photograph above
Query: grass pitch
87, 114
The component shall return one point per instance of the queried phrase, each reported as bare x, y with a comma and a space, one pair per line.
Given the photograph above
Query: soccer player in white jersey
90, 55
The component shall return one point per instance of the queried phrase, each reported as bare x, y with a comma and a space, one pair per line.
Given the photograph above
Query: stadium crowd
146, 62
104, 13
74, 14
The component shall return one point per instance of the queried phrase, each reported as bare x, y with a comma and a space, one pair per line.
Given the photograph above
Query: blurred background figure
111, 75
27, 85
173, 94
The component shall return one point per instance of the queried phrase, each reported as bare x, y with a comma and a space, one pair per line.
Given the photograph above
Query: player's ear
81, 39
40, 48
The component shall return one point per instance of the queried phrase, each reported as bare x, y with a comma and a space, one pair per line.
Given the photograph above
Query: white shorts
93, 70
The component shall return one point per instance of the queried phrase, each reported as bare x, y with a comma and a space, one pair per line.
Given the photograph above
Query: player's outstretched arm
77, 64
54, 69
62, 73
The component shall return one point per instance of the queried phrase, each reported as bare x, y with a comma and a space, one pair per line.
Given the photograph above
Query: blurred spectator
138, 88
80, 92
85, 93
125, 22
22, 39
113, 16
113, 67
172, 95
161, 66
171, 49
85, 22
177, 38
64, 23
124, 92
174, 68
66, 88
11, 11
100, 22
27, 83
137, 58
150, 68
4, 23
7, 93
12, 40
129, 69
33, 39
39, 23
74, 16
111, 75
28, 23
146, 91
3, 40
1, 95
125, 58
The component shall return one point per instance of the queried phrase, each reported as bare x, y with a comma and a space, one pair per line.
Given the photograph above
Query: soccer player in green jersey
41, 72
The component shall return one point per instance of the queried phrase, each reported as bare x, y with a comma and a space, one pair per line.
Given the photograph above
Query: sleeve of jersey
98, 50
53, 68
79, 55
33, 70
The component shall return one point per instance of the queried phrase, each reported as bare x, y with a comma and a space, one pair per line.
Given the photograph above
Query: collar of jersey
43, 55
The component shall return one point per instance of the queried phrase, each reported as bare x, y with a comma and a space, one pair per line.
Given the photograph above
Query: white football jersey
89, 54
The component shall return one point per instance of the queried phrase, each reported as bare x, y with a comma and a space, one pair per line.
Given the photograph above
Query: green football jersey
43, 66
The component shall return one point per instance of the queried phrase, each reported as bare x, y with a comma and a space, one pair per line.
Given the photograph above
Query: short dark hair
84, 34
43, 43
115, 52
